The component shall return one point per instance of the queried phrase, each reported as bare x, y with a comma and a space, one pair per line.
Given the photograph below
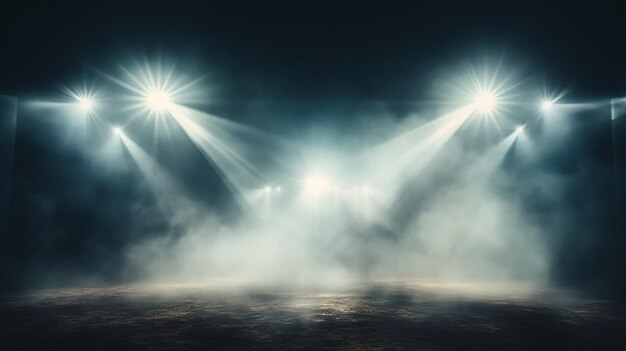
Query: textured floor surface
375, 316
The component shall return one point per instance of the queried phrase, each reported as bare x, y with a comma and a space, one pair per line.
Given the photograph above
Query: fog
418, 205
330, 193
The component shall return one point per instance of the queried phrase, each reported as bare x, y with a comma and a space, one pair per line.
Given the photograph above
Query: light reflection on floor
227, 315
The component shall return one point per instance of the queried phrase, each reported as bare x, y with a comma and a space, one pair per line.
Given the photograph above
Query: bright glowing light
519, 129
157, 87
83, 97
485, 101
547, 104
158, 100
316, 185
86, 103
271, 189
118, 131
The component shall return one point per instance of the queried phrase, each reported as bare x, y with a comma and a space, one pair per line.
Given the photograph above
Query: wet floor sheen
397, 315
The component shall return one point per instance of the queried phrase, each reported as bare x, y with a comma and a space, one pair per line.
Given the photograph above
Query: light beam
225, 145
408, 154
168, 194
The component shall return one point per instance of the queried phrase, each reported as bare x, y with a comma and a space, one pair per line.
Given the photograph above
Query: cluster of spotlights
272, 189
486, 102
314, 186
156, 100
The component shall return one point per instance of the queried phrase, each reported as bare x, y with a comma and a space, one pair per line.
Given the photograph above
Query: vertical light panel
618, 116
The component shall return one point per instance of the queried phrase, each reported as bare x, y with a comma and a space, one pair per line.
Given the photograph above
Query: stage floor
390, 315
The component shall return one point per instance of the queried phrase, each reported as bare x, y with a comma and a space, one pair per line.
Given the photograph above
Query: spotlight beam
237, 172
162, 185
489, 162
408, 154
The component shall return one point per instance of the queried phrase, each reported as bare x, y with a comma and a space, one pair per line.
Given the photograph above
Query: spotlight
315, 185
86, 103
547, 104
82, 98
485, 101
158, 100
519, 129
157, 87
118, 131
277, 189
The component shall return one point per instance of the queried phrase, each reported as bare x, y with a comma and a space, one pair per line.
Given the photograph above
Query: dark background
317, 53
362, 50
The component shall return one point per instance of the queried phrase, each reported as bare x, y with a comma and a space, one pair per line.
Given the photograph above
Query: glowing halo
158, 100
157, 87
316, 183
83, 97
117, 131
86, 103
485, 101
547, 104
487, 87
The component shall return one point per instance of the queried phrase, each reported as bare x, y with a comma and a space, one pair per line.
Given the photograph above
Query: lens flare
485, 101
547, 104
86, 103
158, 100
84, 97
316, 185
485, 85
157, 87
117, 131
